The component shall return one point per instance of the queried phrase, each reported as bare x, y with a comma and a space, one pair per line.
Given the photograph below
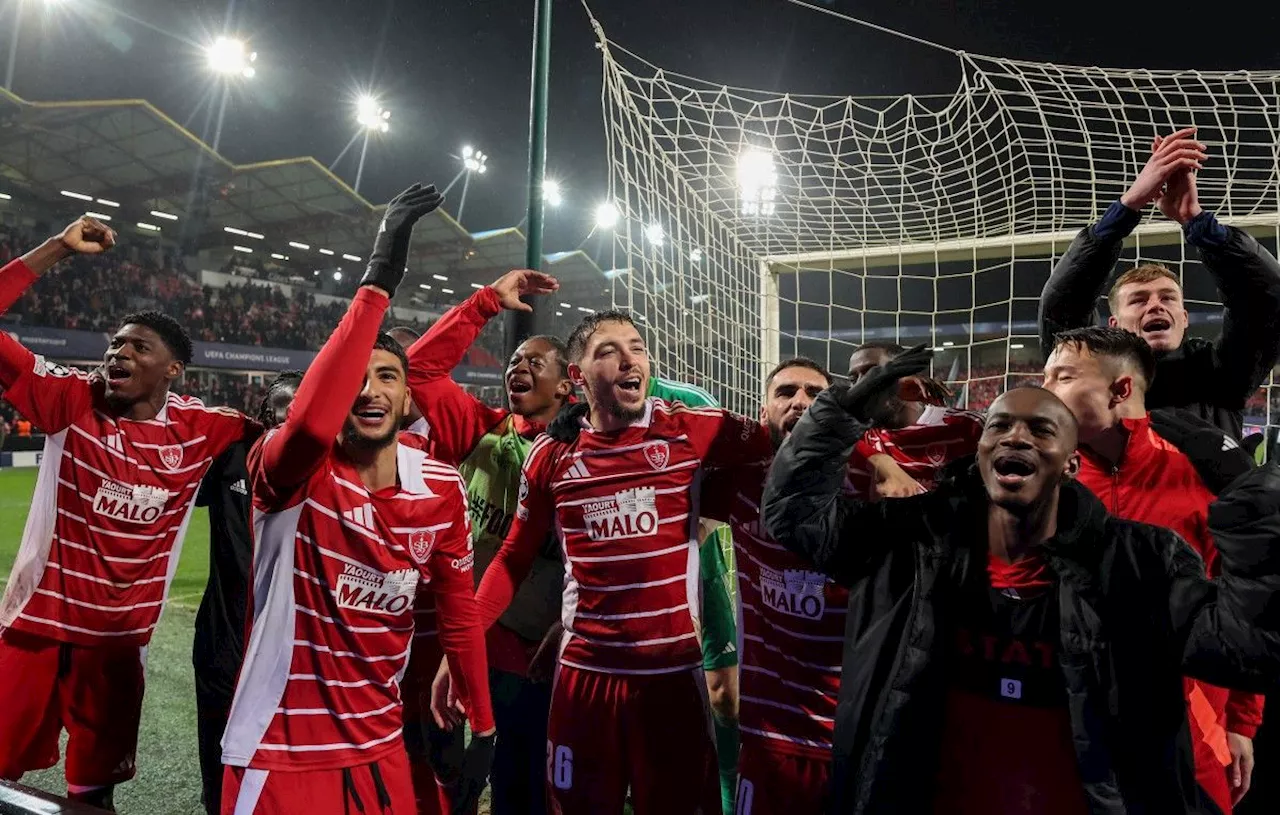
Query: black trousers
212, 710
519, 774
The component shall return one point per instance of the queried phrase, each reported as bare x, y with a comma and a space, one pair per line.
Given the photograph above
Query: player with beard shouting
1213, 379
627, 709
123, 459
349, 517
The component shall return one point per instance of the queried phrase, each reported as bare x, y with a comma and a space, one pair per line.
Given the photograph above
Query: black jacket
1135, 607
1213, 379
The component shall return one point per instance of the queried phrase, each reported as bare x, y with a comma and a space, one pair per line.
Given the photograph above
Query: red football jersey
625, 506
335, 575
111, 504
940, 436
793, 617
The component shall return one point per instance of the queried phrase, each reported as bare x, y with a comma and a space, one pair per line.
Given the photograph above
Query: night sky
457, 71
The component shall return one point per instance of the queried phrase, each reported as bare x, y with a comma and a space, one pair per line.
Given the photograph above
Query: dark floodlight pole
521, 325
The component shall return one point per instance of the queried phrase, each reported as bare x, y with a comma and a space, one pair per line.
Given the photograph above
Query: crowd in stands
91, 294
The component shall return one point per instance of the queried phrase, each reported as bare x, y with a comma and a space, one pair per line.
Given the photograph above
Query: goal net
757, 226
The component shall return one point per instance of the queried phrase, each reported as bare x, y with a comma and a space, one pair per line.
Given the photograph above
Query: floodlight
372, 116
655, 234
606, 216
474, 160
337, 277
757, 181
229, 56
695, 255
551, 192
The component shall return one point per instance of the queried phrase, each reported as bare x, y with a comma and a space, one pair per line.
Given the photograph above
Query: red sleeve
1244, 713
729, 440
288, 456
49, 395
529, 529
457, 419
869, 445
461, 634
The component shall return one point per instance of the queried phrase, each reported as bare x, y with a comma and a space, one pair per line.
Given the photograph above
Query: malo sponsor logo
658, 454
365, 589
130, 503
171, 456
627, 514
798, 592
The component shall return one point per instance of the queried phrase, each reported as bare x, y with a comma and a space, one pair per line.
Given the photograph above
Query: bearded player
122, 461
793, 616
349, 517
620, 498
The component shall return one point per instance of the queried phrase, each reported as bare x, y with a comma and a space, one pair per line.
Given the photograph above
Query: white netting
909, 218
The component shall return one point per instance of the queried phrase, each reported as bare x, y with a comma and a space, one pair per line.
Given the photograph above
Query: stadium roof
128, 153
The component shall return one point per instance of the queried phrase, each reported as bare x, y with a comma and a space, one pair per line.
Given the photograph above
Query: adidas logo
1229, 443
240, 487
578, 470
360, 516
728, 648
113, 442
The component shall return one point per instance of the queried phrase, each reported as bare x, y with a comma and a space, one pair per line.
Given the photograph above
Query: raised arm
49, 395
458, 419
328, 389
1079, 278
805, 507
1227, 630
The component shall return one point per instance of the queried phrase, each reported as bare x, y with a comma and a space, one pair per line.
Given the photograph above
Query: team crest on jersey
937, 454
362, 588
171, 456
630, 513
658, 454
421, 542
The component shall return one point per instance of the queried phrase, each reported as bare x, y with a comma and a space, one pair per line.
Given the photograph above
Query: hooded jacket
1136, 612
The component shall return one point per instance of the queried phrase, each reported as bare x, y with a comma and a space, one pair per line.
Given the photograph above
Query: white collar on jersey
643, 421
409, 464
420, 427
932, 415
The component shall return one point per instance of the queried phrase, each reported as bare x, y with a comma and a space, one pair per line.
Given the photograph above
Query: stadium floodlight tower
230, 57
606, 215
473, 161
757, 182
372, 118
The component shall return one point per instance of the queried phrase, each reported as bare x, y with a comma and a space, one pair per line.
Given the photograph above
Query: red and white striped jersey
793, 617
940, 436
111, 504
336, 572
625, 507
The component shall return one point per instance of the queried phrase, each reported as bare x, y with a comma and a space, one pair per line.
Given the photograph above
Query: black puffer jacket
1136, 614
1212, 379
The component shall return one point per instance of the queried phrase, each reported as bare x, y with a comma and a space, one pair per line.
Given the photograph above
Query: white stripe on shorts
251, 784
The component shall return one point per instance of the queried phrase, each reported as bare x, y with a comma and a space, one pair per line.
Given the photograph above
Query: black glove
475, 773
445, 751
391, 246
880, 383
1218, 458
567, 424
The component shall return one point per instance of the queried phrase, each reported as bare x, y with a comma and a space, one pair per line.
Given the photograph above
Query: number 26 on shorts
559, 766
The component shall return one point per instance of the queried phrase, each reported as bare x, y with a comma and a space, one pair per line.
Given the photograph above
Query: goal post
755, 225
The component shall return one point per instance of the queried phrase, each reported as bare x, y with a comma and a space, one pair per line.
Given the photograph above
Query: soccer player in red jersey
793, 617
123, 459
349, 517
1128, 459
627, 708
